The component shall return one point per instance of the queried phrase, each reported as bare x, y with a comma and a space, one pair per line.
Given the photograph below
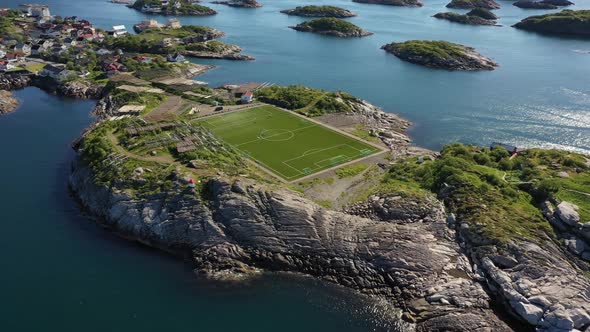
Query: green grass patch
351, 170
286, 144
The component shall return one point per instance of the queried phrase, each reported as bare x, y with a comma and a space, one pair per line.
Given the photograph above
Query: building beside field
247, 97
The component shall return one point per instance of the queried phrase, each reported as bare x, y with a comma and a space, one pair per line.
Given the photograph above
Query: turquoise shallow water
61, 272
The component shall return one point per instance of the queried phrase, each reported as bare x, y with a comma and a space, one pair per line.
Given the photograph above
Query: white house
23, 48
120, 30
176, 57
247, 97
58, 72
36, 10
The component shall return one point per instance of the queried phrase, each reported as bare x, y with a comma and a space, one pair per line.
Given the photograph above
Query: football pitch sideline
284, 143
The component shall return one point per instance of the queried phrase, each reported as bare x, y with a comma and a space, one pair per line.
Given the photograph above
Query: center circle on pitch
276, 135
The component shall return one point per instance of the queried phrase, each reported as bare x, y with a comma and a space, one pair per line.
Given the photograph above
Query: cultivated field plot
286, 144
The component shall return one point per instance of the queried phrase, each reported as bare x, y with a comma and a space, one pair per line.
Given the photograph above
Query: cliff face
241, 227
74, 89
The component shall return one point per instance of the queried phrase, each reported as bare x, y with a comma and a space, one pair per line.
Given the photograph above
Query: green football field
286, 144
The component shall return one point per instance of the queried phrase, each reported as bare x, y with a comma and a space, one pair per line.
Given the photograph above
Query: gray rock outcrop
242, 227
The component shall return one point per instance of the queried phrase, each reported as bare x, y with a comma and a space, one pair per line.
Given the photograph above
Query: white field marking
234, 123
249, 156
318, 150
310, 151
278, 134
286, 162
259, 138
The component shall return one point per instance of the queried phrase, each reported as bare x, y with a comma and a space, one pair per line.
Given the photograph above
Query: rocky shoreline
73, 89
243, 228
230, 52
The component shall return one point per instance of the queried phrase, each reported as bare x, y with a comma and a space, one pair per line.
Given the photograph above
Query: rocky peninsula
172, 8
319, 11
333, 27
240, 3
440, 55
398, 3
471, 4
7, 102
566, 22
477, 16
444, 237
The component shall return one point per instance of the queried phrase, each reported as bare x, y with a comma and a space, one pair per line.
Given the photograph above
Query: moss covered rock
333, 27
566, 22
319, 11
440, 54
471, 4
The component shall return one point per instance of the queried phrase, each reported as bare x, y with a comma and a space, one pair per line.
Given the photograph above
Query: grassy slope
308, 101
498, 209
436, 49
331, 24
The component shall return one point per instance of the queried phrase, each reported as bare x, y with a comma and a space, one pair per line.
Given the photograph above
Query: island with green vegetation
566, 22
477, 16
530, 4
471, 4
397, 3
240, 3
440, 55
333, 27
172, 8
319, 11
192, 40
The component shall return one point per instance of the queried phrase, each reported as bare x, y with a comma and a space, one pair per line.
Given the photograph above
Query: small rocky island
333, 27
440, 55
399, 3
240, 3
477, 16
319, 11
566, 22
544, 4
172, 8
7, 102
471, 4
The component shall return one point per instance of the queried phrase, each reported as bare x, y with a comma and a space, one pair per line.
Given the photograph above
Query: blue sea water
61, 272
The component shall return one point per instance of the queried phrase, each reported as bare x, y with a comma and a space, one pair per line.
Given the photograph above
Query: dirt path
123, 151
167, 110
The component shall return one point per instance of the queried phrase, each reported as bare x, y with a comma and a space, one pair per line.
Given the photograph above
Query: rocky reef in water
319, 11
440, 55
7, 102
477, 16
566, 22
471, 4
399, 3
333, 27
